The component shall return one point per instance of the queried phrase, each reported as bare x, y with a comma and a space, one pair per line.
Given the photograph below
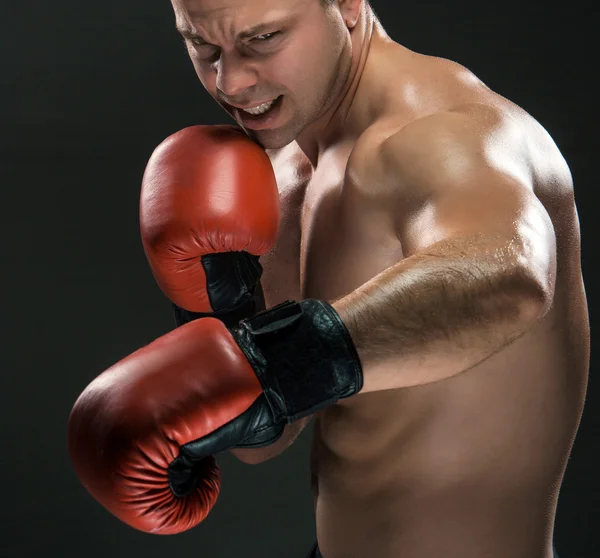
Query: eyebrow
246, 34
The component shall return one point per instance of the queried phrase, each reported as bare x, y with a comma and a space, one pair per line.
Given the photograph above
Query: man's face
300, 55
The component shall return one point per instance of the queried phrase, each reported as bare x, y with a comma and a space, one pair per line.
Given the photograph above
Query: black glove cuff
231, 278
252, 303
303, 356
233, 288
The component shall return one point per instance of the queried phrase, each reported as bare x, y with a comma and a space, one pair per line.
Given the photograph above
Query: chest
332, 237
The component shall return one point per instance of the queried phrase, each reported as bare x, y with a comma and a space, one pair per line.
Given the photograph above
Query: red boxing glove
209, 208
142, 435
126, 429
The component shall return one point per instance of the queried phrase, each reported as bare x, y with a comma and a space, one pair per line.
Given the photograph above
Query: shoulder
449, 146
456, 142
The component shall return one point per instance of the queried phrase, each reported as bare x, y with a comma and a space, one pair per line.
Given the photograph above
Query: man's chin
269, 138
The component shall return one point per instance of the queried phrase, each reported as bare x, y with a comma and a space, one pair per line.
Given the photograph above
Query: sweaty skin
462, 464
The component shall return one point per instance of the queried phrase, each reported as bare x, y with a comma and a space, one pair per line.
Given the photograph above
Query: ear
350, 10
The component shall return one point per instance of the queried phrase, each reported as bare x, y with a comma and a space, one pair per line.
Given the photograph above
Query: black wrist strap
252, 303
303, 356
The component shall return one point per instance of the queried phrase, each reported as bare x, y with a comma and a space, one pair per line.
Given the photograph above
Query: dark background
88, 90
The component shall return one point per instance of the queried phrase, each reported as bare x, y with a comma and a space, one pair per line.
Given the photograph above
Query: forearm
259, 455
430, 317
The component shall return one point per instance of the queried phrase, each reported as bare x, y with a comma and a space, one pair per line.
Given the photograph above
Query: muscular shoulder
459, 143
393, 156
450, 145
459, 154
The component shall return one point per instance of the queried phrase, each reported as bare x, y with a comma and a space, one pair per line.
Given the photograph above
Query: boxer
421, 298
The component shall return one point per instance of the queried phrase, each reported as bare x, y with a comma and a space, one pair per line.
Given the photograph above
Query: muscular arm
480, 247
480, 261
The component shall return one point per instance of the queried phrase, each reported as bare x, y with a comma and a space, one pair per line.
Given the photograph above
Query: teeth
261, 109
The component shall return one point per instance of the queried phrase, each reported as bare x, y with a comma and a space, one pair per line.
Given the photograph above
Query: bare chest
332, 238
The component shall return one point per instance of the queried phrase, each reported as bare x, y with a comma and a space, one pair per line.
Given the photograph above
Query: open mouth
262, 116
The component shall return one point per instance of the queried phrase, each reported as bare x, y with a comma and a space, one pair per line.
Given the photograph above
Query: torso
470, 466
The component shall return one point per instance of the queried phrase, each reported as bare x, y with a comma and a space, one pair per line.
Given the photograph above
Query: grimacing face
303, 52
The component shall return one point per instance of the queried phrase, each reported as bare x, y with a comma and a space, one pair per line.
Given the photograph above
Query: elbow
535, 302
538, 279
254, 456
532, 310
530, 286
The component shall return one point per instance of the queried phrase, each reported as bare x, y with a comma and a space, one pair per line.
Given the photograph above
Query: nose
234, 76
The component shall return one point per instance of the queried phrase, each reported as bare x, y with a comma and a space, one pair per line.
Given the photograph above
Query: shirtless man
438, 220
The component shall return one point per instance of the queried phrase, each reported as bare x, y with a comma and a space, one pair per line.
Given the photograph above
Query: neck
331, 126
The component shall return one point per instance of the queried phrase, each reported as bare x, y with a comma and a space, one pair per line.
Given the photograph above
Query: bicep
497, 211
463, 194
